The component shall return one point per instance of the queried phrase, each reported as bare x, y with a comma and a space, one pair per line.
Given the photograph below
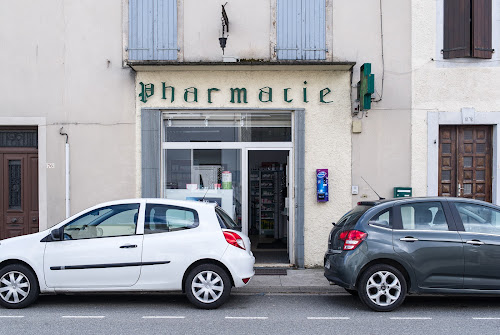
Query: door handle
128, 246
408, 239
475, 242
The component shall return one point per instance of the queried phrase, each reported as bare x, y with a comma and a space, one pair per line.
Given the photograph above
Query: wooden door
19, 193
465, 158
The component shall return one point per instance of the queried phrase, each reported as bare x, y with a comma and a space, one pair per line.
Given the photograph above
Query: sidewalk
296, 281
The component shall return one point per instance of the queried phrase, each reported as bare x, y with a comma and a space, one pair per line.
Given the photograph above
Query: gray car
383, 250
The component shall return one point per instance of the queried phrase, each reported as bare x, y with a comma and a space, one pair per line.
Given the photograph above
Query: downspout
67, 173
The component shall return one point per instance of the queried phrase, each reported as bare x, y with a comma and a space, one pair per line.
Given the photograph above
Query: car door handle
475, 242
128, 246
408, 239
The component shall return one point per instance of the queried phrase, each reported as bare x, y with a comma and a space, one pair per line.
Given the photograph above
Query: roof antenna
379, 197
203, 199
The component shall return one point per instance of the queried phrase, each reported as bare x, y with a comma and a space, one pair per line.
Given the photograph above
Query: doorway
268, 205
18, 181
465, 162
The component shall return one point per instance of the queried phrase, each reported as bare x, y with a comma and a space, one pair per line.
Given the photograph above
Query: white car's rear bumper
240, 264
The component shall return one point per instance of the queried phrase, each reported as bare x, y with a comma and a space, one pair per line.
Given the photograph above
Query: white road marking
163, 317
327, 318
247, 317
410, 318
12, 316
83, 316
486, 318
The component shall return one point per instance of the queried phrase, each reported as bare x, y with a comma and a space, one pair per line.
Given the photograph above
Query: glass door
268, 198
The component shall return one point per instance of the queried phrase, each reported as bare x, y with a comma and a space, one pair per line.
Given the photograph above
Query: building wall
327, 129
446, 86
62, 62
381, 152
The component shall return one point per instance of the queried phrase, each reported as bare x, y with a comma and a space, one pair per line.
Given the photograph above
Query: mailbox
402, 192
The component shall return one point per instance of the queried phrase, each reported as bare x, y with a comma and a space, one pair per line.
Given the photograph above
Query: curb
291, 289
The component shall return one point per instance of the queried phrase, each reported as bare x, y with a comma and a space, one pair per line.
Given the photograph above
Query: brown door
19, 194
465, 158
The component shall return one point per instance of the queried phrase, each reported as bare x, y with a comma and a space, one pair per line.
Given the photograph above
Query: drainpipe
67, 173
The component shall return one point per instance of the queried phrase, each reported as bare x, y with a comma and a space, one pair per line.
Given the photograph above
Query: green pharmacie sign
238, 94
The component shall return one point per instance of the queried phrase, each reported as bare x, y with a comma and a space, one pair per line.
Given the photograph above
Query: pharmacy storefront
251, 138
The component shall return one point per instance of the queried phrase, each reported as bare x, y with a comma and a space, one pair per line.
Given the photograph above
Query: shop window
228, 127
301, 29
152, 31
467, 29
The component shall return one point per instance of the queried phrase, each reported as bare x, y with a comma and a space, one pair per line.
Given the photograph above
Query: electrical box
402, 192
322, 184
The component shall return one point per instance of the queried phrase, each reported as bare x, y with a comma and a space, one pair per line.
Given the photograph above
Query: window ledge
295, 65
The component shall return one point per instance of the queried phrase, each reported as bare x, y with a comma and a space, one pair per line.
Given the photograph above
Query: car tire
382, 288
207, 286
18, 286
351, 292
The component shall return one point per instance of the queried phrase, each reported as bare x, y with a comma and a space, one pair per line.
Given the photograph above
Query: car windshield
225, 221
352, 216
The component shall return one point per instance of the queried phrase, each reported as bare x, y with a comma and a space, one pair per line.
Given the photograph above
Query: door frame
41, 124
467, 116
268, 146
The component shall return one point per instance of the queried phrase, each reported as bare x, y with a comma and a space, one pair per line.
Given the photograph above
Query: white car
130, 245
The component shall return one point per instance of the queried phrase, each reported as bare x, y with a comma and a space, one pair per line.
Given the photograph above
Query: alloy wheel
207, 286
383, 288
14, 287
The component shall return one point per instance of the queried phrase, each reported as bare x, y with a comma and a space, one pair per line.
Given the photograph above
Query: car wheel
18, 286
382, 288
351, 292
208, 286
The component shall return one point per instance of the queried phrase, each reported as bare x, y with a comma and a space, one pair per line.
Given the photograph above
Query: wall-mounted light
225, 29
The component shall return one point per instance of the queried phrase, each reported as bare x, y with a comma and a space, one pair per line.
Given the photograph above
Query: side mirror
56, 234
333, 223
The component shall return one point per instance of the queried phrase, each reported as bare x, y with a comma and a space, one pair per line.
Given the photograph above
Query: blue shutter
152, 30
165, 30
140, 30
301, 29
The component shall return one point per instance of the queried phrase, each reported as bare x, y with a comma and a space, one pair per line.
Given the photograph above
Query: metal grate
270, 272
18, 138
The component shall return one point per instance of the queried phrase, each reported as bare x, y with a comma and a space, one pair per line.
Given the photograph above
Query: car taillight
352, 238
234, 239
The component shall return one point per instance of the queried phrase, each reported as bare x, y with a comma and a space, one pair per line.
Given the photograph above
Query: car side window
118, 220
479, 219
423, 216
382, 219
163, 218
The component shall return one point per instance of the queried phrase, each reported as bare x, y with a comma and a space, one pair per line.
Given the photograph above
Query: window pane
479, 219
162, 218
15, 184
423, 216
228, 127
212, 175
383, 219
118, 220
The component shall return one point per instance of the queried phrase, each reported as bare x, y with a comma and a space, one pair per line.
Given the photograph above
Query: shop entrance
268, 205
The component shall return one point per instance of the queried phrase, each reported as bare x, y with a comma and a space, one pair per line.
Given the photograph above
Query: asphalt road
250, 314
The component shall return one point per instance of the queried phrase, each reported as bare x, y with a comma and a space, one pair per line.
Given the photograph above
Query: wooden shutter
152, 30
457, 35
301, 29
481, 29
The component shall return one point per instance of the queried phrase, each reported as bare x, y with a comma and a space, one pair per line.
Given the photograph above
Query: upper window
423, 216
162, 219
228, 127
479, 219
301, 29
118, 220
152, 33
467, 29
